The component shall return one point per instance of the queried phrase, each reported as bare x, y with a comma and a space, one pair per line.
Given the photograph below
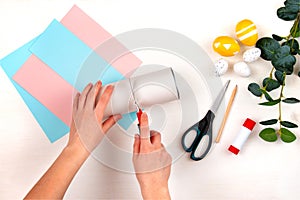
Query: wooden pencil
226, 114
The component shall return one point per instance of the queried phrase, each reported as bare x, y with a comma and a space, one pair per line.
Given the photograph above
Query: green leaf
295, 2
283, 60
292, 5
277, 37
288, 124
268, 134
269, 122
286, 14
280, 77
267, 96
293, 44
299, 73
286, 135
270, 84
268, 47
270, 103
291, 100
254, 89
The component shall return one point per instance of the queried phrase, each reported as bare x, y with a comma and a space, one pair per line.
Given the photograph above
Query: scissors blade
219, 98
135, 102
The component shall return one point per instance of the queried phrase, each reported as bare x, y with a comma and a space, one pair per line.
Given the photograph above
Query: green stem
271, 73
294, 30
294, 27
271, 77
279, 118
279, 105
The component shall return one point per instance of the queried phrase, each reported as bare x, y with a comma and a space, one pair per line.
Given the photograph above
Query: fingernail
144, 116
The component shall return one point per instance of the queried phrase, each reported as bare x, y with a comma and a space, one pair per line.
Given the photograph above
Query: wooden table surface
261, 170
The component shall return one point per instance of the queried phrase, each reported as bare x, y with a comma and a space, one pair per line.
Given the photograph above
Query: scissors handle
189, 131
202, 128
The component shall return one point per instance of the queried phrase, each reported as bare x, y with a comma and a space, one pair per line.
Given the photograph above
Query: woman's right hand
152, 162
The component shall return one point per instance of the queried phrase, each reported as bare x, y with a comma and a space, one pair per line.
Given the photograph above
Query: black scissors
203, 128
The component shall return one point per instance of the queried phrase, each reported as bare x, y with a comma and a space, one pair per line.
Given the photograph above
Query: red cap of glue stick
249, 124
242, 136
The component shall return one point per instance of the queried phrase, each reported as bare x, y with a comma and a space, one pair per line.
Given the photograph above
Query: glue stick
242, 136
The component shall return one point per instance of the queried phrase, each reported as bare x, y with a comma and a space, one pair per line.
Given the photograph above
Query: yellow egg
246, 32
226, 46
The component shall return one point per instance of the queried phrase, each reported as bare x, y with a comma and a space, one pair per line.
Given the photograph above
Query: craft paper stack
47, 71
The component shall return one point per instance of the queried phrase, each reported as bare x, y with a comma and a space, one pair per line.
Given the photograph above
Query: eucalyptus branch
282, 55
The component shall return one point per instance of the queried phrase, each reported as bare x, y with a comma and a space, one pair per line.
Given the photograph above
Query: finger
75, 102
136, 144
144, 132
155, 138
91, 98
110, 122
144, 126
72, 129
103, 101
83, 95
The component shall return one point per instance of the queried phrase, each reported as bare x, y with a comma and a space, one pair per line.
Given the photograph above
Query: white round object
221, 67
251, 54
242, 69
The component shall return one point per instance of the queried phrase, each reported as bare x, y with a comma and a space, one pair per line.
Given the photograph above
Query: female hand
152, 162
87, 124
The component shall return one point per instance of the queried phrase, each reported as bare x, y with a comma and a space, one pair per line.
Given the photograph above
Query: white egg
221, 67
251, 54
242, 69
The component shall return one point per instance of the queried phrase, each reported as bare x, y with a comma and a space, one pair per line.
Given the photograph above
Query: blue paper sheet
61, 50
53, 127
73, 60
58, 47
127, 120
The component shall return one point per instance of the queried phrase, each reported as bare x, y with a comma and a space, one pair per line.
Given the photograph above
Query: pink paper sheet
94, 35
43, 84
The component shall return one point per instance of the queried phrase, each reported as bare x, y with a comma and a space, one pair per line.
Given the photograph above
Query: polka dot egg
226, 46
251, 55
246, 32
221, 67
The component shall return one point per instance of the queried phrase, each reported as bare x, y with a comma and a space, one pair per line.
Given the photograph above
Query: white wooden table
260, 171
